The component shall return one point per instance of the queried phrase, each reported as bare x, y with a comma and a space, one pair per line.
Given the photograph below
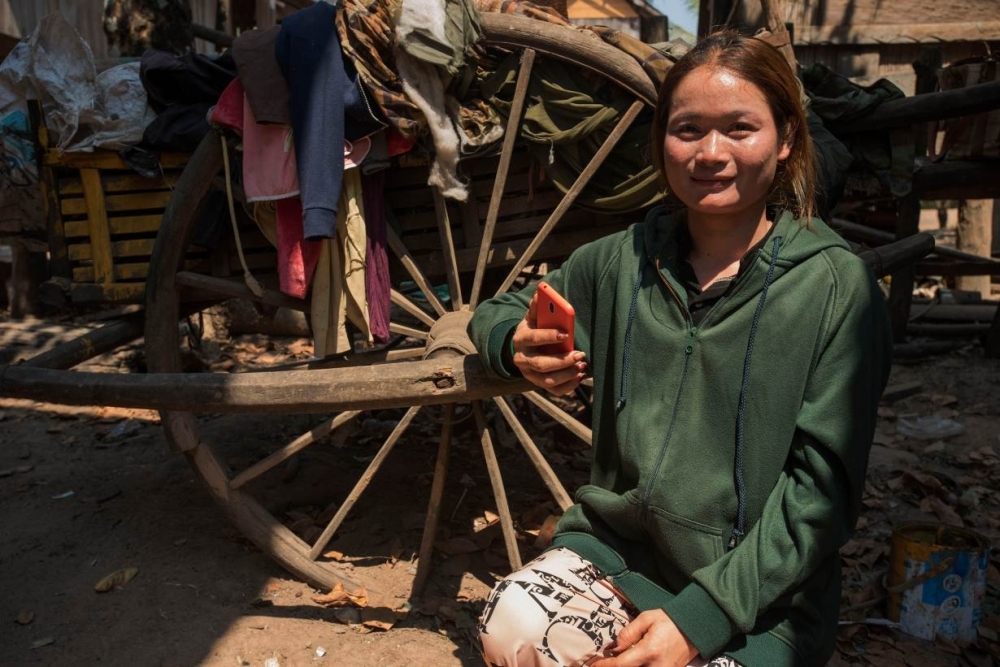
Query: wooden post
24, 279
908, 219
975, 231
992, 343
774, 17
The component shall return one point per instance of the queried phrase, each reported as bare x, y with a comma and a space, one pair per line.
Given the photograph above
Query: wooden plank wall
865, 63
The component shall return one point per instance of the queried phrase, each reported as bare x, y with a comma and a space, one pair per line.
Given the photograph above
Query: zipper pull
734, 539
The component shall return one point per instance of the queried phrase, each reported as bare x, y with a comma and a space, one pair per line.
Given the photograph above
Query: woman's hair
759, 63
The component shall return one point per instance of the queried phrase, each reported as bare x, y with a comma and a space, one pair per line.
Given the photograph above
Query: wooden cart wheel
491, 240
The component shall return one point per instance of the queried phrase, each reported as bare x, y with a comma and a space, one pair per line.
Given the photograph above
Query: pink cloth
269, 174
296, 257
268, 159
228, 111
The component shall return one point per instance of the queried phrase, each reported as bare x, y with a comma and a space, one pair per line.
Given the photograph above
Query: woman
738, 351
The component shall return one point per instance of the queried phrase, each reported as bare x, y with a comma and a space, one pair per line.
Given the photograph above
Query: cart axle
426, 382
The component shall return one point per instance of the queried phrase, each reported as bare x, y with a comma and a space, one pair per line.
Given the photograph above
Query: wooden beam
908, 33
848, 228
238, 290
901, 254
945, 312
91, 344
992, 342
949, 330
925, 107
959, 179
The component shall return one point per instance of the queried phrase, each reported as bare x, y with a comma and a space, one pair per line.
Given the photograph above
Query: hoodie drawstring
741, 492
628, 335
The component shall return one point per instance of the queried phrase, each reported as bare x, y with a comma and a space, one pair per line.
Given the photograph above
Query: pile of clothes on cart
374, 80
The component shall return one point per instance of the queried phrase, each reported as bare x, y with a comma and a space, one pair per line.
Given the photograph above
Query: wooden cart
477, 249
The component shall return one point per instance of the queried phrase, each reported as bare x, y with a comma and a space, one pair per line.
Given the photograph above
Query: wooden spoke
496, 481
557, 413
238, 289
410, 265
292, 448
363, 483
263, 529
401, 330
574, 191
503, 168
434, 504
448, 249
537, 459
406, 304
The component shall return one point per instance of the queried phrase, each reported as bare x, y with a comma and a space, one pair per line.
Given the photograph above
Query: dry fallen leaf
341, 597
920, 479
44, 641
379, 618
946, 513
25, 616
335, 555
944, 400
116, 579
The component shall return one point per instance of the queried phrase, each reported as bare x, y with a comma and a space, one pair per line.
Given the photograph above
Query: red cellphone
554, 312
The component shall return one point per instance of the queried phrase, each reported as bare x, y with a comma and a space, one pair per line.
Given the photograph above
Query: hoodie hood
799, 241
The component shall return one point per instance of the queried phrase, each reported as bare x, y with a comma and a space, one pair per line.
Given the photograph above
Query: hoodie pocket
619, 512
683, 545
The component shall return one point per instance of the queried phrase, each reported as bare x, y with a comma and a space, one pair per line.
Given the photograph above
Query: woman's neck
718, 243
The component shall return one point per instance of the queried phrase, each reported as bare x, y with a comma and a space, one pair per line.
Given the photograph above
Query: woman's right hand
559, 373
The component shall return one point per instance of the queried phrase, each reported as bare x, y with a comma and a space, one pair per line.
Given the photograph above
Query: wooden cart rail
427, 382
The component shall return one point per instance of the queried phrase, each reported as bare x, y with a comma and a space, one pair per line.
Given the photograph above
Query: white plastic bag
83, 111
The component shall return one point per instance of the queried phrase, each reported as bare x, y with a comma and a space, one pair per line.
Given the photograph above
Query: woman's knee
510, 619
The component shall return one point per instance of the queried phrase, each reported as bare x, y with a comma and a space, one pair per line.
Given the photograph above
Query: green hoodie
729, 458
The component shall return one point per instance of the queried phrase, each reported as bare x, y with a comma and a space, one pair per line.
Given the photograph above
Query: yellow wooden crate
102, 220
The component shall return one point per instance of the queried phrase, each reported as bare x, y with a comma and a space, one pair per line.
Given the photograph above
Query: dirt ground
85, 492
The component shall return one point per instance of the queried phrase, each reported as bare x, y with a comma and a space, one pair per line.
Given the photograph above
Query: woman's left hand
652, 640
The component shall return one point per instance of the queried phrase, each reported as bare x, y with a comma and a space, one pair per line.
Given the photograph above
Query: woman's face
722, 146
